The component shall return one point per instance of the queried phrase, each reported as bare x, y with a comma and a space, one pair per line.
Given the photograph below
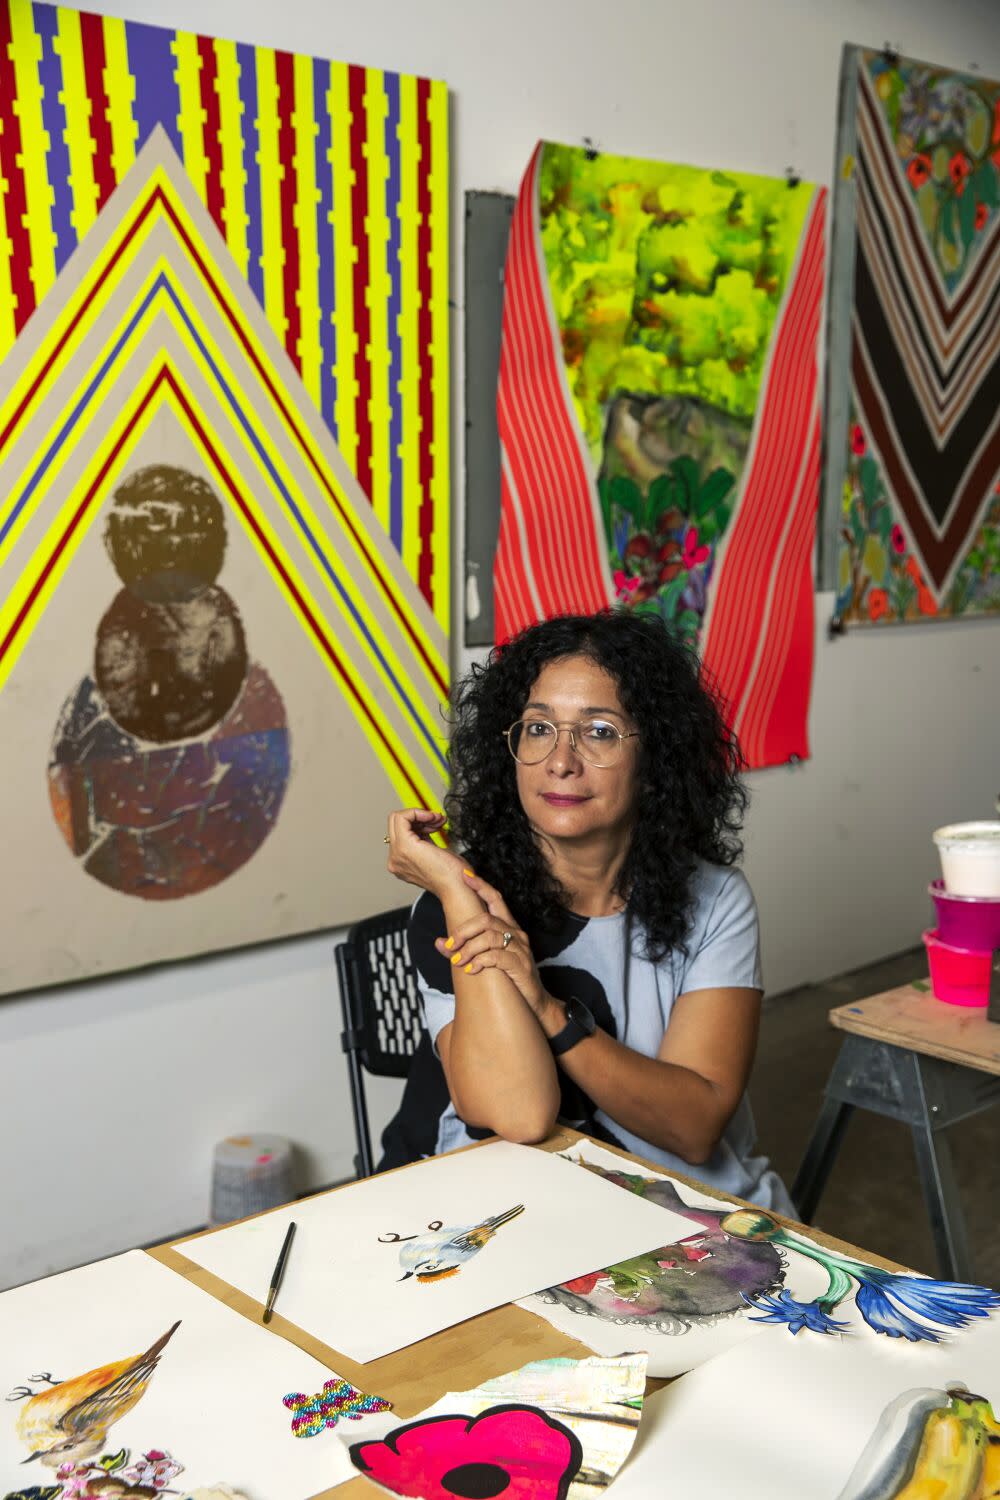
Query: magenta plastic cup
971, 922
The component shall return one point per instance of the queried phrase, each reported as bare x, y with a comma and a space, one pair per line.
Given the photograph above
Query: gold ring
506, 938
387, 840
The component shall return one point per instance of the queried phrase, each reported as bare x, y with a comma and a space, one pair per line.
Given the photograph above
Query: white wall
112, 1094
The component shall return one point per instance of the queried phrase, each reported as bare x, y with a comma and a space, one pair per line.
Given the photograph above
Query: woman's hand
415, 858
478, 944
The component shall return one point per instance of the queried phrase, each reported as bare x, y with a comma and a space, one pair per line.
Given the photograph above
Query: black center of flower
476, 1481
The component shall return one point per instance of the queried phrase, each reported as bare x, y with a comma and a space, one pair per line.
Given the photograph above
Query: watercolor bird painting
446, 1248
70, 1421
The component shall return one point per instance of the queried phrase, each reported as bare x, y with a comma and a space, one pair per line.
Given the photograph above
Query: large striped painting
223, 488
659, 417
912, 503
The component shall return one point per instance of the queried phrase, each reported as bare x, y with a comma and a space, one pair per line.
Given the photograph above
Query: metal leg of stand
944, 1207
821, 1153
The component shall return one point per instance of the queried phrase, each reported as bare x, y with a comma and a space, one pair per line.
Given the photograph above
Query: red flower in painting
693, 553
582, 1285
918, 170
982, 214
958, 170
858, 445
516, 1451
878, 604
898, 540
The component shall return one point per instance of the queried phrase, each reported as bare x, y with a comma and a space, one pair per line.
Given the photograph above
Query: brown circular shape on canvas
170, 671
166, 533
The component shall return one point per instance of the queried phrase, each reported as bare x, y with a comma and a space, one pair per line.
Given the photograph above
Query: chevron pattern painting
917, 515
150, 345
329, 185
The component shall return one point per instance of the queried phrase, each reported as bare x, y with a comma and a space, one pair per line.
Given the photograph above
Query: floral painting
659, 416
916, 517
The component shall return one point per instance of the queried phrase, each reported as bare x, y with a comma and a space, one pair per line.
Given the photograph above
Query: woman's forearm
500, 1071
669, 1106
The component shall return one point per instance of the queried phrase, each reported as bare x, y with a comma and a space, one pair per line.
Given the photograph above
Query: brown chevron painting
912, 507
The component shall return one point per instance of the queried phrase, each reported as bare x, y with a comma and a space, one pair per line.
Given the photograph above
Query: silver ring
506, 938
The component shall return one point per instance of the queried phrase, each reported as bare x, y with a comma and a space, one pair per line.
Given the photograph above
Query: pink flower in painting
693, 553
154, 1468
73, 1478
858, 444
516, 1451
898, 540
625, 586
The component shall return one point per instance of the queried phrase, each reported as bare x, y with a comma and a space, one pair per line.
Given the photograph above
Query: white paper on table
788, 1419
213, 1402
676, 1340
344, 1286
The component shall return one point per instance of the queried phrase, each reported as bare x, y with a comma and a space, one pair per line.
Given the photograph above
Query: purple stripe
246, 58
325, 242
395, 313
54, 121
157, 99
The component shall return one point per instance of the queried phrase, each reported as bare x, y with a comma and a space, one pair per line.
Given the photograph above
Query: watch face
577, 1012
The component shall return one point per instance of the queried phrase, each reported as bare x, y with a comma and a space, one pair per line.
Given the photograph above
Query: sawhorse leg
925, 1093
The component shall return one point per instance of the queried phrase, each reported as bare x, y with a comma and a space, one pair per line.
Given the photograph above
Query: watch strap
576, 1030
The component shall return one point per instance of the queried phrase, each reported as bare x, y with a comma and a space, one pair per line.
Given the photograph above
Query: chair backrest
381, 999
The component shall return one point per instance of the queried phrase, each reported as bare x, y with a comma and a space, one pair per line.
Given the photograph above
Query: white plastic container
970, 858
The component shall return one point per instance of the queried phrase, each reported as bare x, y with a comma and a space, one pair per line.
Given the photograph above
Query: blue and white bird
445, 1250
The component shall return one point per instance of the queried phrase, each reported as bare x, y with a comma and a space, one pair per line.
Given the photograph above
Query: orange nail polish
468, 969
471, 873
450, 943
457, 958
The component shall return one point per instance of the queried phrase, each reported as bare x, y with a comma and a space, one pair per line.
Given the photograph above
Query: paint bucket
250, 1174
959, 976
966, 921
970, 858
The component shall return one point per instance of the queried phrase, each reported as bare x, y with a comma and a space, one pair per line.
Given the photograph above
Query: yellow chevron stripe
272, 252
440, 316
347, 387
410, 373
69, 45
32, 571
234, 206
306, 198
379, 287
191, 116
119, 86
26, 52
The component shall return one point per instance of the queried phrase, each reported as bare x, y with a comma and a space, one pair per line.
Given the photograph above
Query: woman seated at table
589, 951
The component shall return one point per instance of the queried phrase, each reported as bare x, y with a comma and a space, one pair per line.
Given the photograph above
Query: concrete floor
873, 1196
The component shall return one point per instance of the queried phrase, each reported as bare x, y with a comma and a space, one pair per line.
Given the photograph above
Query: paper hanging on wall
834, 1418
125, 1371
385, 1262
556, 1429
659, 416
912, 494
737, 1274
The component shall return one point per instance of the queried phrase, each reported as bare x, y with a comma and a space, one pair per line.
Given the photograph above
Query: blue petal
951, 1303
879, 1313
783, 1308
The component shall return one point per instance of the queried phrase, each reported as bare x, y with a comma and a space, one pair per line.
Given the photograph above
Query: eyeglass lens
532, 740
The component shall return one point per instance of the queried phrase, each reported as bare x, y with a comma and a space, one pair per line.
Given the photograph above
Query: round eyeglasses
597, 740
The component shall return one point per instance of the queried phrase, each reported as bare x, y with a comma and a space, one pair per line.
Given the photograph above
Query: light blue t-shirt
586, 958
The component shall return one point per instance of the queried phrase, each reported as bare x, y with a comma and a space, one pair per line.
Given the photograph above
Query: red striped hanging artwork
658, 408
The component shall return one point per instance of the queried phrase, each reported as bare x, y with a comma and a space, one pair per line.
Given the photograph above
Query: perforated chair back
383, 1022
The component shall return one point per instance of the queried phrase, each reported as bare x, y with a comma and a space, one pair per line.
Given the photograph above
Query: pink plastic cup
971, 922
958, 975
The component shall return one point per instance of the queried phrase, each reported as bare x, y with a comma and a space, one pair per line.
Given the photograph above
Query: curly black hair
691, 796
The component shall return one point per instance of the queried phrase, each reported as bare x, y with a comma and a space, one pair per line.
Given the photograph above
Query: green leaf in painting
669, 597
984, 184
685, 469
36, 1492
967, 216
625, 493
713, 491
871, 481
112, 1461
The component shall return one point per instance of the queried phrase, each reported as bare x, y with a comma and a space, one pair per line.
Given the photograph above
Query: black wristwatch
580, 1024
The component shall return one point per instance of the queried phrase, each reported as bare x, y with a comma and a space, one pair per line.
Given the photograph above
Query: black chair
383, 1022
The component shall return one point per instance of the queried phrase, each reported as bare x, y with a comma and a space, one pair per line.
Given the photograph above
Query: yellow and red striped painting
329, 184
224, 531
